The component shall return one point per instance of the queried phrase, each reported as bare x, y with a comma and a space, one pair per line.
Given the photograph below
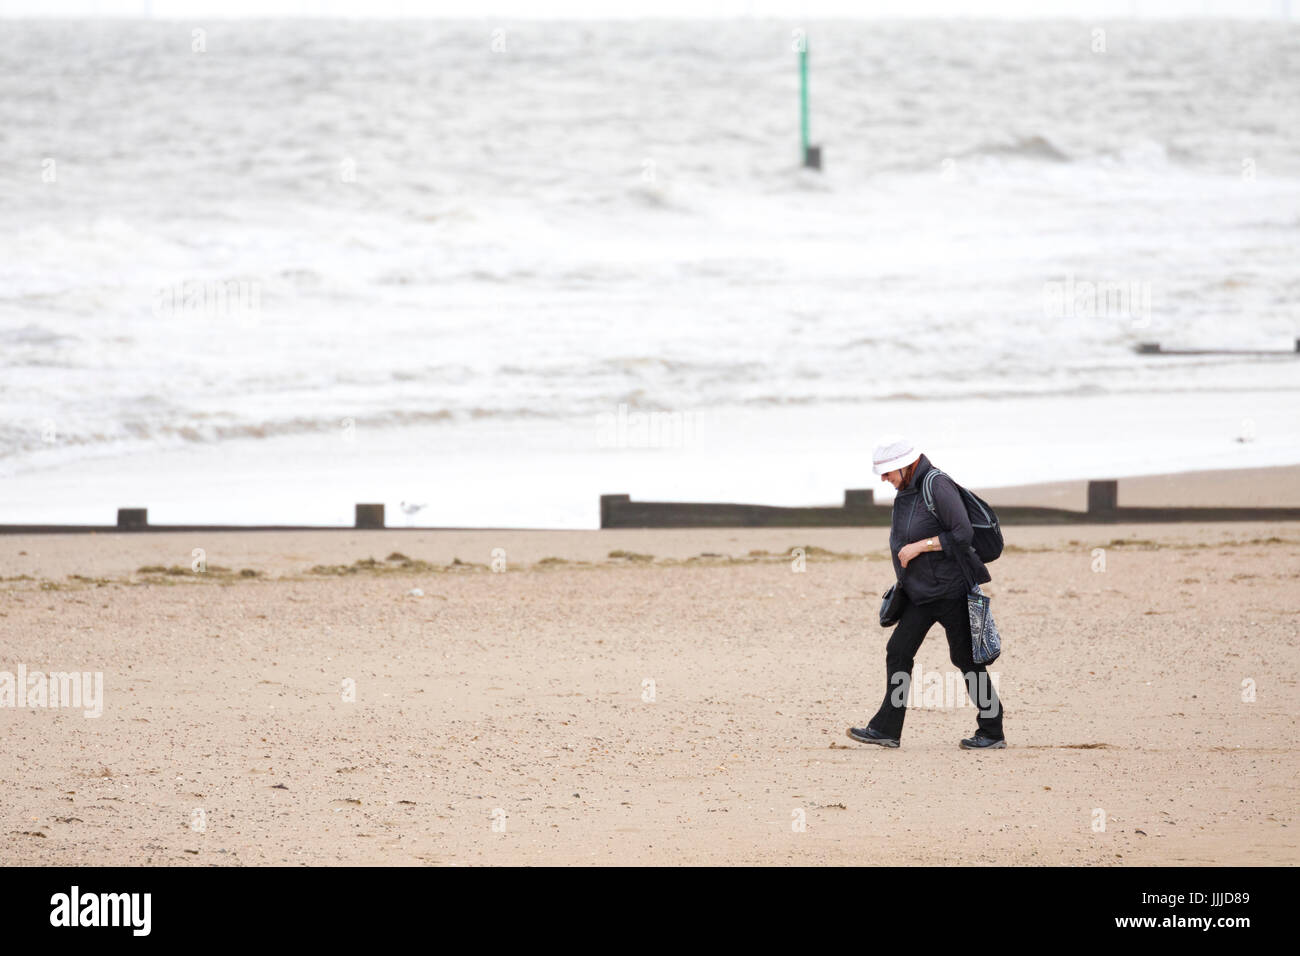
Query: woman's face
894, 477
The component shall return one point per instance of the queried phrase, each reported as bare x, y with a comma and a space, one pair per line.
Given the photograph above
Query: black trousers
900, 655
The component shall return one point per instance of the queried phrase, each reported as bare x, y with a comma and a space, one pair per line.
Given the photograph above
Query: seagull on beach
411, 510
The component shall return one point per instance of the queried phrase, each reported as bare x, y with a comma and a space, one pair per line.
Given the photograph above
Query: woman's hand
909, 551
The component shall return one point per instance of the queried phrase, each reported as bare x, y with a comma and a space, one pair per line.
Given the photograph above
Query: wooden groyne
368, 517
620, 511
1155, 348
860, 510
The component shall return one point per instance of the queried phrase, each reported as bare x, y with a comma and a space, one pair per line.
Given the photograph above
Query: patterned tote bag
985, 641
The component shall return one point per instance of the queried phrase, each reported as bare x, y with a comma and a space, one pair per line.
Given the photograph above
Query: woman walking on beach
933, 563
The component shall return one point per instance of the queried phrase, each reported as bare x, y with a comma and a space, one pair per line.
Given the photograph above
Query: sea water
258, 271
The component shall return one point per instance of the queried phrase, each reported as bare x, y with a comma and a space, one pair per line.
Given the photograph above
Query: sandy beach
634, 697
1277, 487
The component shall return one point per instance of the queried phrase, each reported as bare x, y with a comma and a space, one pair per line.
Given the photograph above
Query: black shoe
981, 742
865, 735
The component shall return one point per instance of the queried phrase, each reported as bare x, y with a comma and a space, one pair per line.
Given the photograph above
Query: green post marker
812, 155
803, 95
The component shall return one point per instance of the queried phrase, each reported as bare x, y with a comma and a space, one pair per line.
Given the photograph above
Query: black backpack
987, 541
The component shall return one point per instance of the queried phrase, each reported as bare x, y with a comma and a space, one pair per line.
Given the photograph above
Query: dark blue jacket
933, 575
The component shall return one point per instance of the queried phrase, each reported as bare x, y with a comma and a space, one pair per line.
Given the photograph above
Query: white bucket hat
892, 453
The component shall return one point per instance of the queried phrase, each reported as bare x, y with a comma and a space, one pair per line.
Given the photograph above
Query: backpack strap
927, 493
